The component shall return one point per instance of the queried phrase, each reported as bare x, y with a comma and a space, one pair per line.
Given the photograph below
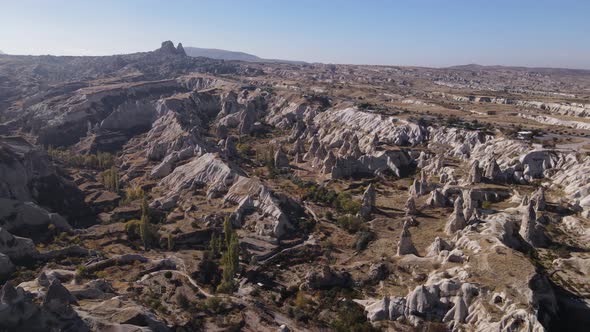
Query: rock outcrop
475, 175
16, 248
410, 207
325, 278
368, 202
530, 230
280, 159
405, 245
436, 199
456, 220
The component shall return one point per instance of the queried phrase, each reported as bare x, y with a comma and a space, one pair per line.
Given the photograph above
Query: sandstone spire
456, 221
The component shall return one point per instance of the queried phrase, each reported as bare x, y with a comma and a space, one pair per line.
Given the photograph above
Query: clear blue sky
419, 32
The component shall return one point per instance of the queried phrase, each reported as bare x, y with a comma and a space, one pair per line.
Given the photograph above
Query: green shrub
350, 223
132, 229
183, 301
244, 149
362, 240
132, 194
346, 204
101, 160
343, 202
351, 318
110, 179
170, 242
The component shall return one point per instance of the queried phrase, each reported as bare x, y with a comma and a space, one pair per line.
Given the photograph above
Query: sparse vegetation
132, 194
229, 259
110, 179
99, 161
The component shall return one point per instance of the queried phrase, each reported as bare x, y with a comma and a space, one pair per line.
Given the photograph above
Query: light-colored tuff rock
375, 164
329, 163
377, 272
298, 147
6, 266
207, 171
98, 289
493, 172
389, 308
165, 167
388, 129
368, 202
456, 220
165, 203
458, 313
16, 248
539, 199
410, 207
121, 314
17, 214
436, 199
219, 180
172, 122
452, 301
275, 222
405, 245
475, 175
18, 312
313, 148
230, 147
280, 159
437, 247
21, 163
177, 128
530, 230
326, 277
68, 121
536, 162
420, 186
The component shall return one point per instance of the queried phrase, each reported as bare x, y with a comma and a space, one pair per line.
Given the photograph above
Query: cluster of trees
230, 258
351, 223
143, 229
226, 248
101, 160
342, 202
244, 149
110, 179
132, 194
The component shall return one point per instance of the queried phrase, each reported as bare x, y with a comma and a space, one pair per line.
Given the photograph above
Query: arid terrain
161, 192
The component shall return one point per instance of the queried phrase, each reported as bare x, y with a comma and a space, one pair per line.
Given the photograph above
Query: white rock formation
539, 199
475, 175
280, 159
405, 245
410, 207
437, 247
16, 248
436, 199
16, 214
530, 230
456, 221
368, 202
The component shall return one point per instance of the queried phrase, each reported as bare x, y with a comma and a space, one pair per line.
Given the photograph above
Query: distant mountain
215, 53
2, 52
545, 70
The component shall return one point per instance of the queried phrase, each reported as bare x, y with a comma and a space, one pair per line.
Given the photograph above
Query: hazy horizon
420, 33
